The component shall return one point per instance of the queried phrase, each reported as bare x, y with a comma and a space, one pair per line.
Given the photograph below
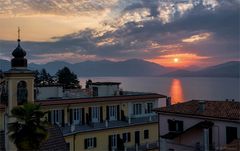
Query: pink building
199, 126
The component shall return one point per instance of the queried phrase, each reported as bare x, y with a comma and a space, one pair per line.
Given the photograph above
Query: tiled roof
233, 146
55, 141
106, 83
2, 107
101, 99
213, 109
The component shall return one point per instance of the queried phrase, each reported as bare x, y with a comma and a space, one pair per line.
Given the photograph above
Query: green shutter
85, 144
95, 142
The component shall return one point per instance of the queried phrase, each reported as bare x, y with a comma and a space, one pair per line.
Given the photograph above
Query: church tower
20, 80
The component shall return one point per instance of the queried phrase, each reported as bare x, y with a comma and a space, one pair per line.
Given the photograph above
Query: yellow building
108, 119
103, 123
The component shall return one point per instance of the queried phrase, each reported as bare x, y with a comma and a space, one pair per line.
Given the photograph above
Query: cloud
56, 7
148, 30
67, 56
196, 38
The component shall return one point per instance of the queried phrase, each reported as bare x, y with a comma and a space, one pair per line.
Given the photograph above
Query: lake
180, 89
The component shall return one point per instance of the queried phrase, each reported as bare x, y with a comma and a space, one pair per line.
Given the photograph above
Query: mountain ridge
133, 67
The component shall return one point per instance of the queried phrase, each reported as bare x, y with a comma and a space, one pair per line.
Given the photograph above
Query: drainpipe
159, 132
6, 130
218, 136
206, 139
74, 137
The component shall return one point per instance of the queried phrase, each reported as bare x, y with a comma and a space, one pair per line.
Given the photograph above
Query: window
137, 109
126, 137
149, 107
56, 116
95, 91
95, 114
146, 134
90, 143
231, 134
175, 126
114, 141
22, 92
68, 146
112, 113
77, 115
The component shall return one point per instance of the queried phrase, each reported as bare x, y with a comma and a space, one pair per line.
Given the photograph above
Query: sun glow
176, 60
179, 60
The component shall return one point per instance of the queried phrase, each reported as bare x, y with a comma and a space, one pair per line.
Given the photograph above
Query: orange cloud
196, 38
184, 60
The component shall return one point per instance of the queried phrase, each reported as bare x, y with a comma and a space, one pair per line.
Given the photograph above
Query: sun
176, 60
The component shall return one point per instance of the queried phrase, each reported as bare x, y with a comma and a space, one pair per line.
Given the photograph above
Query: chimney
168, 102
202, 106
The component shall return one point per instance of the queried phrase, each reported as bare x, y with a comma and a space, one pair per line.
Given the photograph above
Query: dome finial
18, 35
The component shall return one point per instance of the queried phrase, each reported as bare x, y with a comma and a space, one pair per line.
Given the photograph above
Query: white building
199, 125
105, 88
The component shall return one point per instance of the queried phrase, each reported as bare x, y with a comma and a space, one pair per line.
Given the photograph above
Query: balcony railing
144, 147
70, 129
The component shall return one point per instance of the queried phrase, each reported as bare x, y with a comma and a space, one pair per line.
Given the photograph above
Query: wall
102, 137
106, 90
44, 93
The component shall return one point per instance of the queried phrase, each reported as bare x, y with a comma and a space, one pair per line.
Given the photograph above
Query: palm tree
30, 129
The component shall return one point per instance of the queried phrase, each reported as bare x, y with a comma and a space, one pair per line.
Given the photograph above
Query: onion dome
19, 53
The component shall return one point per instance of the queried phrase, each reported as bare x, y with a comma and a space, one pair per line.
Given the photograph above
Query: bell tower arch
20, 80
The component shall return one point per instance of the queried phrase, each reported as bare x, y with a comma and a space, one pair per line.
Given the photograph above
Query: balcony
72, 129
144, 147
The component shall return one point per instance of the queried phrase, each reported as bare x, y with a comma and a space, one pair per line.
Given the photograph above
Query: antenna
18, 35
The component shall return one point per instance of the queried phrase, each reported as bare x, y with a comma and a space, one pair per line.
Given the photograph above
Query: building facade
104, 118
199, 125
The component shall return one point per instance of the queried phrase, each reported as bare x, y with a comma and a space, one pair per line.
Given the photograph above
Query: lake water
180, 89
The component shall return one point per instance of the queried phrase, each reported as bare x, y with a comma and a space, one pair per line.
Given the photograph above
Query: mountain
4, 65
132, 67
228, 69
51, 67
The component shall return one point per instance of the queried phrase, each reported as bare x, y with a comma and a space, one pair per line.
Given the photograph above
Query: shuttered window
146, 134
90, 143
126, 137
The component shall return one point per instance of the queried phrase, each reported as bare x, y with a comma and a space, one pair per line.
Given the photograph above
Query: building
103, 117
199, 125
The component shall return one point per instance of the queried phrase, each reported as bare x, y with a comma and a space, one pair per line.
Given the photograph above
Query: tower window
22, 92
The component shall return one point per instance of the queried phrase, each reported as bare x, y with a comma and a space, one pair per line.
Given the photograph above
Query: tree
30, 129
43, 78
37, 77
67, 78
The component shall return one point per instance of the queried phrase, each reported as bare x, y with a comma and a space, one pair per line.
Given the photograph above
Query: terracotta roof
100, 99
55, 141
233, 146
106, 83
2, 106
213, 109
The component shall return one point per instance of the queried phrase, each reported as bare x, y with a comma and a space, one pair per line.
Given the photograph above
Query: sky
172, 33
